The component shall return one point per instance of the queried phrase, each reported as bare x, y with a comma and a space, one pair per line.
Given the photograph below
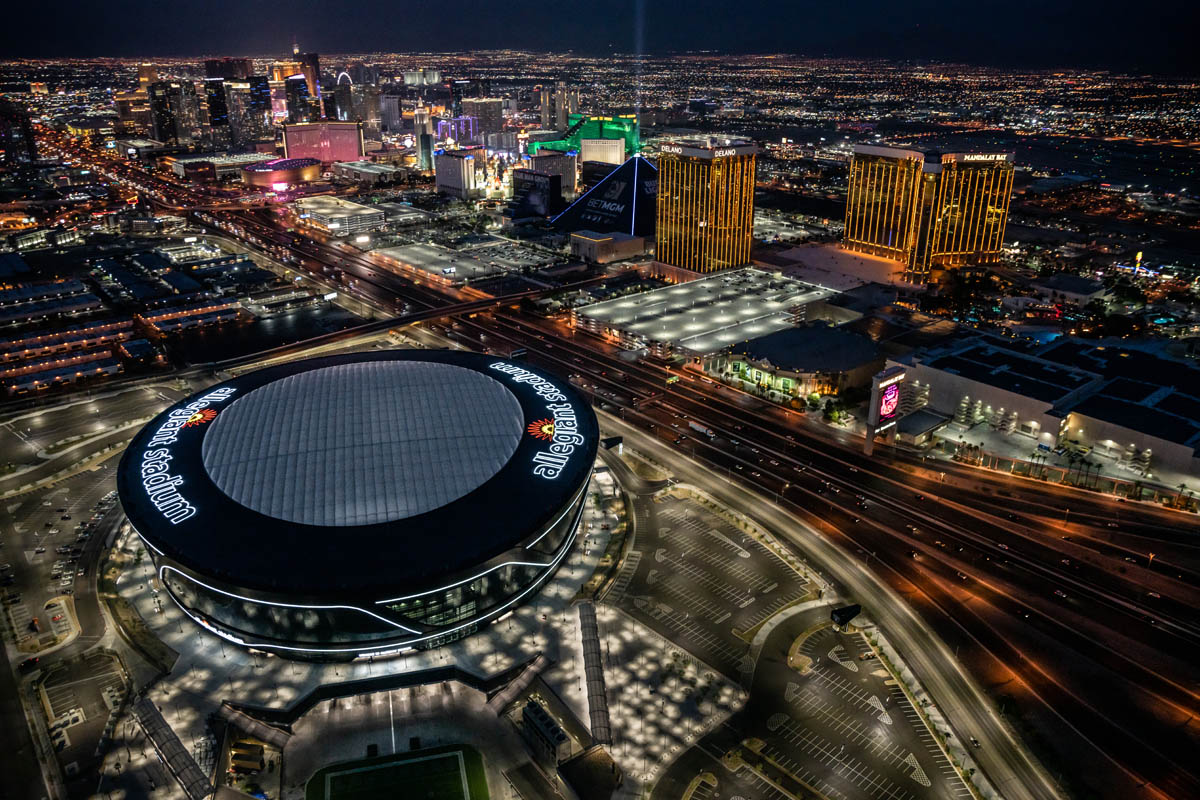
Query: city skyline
554, 421
1025, 34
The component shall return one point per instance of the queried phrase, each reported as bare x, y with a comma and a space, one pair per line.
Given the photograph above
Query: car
5, 567
66, 516
56, 618
1155, 595
962, 576
54, 531
913, 554
39, 549
28, 664
1060, 593
975, 743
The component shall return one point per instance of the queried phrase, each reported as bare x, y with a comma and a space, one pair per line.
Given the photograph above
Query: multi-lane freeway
1047, 595
1082, 636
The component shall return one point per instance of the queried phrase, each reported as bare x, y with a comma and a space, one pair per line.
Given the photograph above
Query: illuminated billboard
326, 142
889, 401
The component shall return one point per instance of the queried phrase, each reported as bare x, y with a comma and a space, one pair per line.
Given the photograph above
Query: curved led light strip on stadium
448, 493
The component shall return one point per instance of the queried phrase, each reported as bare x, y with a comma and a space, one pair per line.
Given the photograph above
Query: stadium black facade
361, 504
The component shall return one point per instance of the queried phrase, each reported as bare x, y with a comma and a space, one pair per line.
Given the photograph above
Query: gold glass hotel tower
705, 203
929, 211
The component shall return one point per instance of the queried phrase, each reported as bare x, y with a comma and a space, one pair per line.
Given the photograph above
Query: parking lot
698, 580
510, 256
77, 697
849, 731
43, 538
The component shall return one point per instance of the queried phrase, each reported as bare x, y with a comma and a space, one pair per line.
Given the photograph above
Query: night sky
1155, 36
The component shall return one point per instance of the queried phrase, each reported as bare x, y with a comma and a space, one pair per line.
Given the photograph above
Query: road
890, 507
1017, 633
1069, 619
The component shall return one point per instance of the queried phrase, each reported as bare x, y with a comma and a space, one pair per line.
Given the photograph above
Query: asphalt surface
23, 529
1003, 757
1121, 626
1013, 562
1044, 692
840, 728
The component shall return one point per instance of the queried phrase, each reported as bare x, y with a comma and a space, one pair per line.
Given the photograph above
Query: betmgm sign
883, 409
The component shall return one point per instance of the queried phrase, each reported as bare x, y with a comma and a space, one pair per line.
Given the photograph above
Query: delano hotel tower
929, 211
705, 203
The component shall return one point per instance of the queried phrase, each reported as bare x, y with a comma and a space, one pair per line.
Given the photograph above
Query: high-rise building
310, 67
300, 106
705, 203
259, 104
174, 112
282, 70
489, 111
391, 113
17, 145
366, 108
590, 126
458, 129
611, 151
928, 210
217, 102
422, 77
422, 121
326, 141
565, 165
147, 74
424, 151
463, 88
228, 68
339, 105
133, 111
558, 103
455, 174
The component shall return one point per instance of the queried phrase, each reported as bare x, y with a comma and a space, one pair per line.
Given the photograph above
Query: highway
1089, 665
1065, 618
990, 582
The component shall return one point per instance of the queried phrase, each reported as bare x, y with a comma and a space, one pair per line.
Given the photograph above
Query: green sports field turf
443, 773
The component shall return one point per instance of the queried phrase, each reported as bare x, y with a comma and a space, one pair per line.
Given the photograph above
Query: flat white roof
706, 315
435, 260
333, 206
363, 443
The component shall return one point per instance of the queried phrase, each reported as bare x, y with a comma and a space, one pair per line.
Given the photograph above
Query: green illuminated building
582, 126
